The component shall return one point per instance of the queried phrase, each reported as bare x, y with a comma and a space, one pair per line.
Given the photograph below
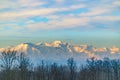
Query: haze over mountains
59, 50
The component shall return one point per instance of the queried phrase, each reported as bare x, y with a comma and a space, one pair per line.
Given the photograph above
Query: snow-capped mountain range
61, 50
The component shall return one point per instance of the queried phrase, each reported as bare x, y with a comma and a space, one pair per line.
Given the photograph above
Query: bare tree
8, 57
72, 68
23, 63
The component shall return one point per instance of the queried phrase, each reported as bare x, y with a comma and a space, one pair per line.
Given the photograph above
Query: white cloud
36, 12
22, 9
30, 3
95, 12
18, 4
72, 22
116, 3
59, 1
77, 6
107, 18
59, 24
10, 29
102, 7
27, 13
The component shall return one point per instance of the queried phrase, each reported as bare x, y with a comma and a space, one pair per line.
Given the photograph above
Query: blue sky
78, 21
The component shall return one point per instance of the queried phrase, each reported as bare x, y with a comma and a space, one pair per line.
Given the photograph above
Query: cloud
31, 3
107, 18
63, 23
25, 13
10, 29
28, 13
71, 14
102, 9
116, 3
95, 12
17, 4
59, 1
74, 22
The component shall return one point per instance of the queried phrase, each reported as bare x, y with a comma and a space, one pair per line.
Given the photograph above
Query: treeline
19, 67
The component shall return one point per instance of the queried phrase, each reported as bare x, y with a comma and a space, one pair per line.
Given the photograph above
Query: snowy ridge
60, 49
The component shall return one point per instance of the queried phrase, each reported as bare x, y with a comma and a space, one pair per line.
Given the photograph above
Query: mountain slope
59, 49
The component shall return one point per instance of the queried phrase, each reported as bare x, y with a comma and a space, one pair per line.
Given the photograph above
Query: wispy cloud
116, 3
28, 13
37, 12
61, 14
74, 22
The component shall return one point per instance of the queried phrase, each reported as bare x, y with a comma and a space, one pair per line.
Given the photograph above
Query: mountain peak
30, 44
57, 47
57, 42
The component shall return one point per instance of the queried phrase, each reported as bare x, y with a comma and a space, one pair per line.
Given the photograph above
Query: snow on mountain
27, 48
61, 49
